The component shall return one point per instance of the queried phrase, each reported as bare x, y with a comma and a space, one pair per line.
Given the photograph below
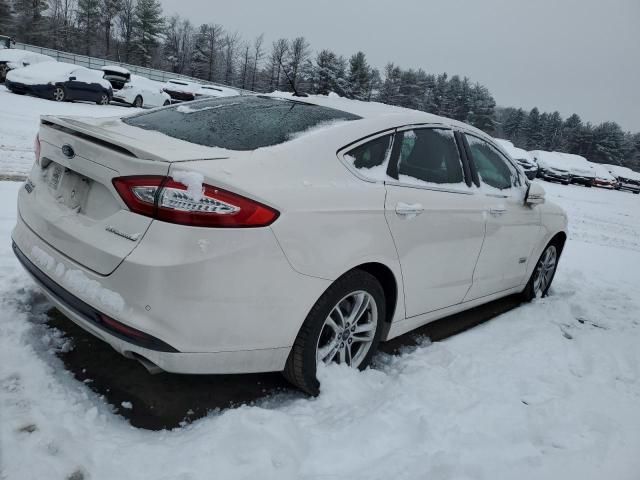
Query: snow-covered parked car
524, 158
628, 179
581, 170
181, 90
552, 166
604, 178
60, 82
11, 59
215, 91
269, 233
135, 90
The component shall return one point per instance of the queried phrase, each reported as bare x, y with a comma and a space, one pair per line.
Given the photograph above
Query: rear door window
239, 123
429, 156
371, 158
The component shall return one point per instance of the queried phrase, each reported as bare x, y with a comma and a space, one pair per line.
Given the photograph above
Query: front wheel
137, 102
166, 103
59, 94
344, 326
542, 276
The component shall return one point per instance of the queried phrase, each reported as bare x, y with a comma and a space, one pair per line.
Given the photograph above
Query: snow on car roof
396, 115
115, 68
45, 72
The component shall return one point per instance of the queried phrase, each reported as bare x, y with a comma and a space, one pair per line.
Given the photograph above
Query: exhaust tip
151, 367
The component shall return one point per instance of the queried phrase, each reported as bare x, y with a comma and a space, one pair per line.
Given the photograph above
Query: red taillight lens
36, 148
165, 199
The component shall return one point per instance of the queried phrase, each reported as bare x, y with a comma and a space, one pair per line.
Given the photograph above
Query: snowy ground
19, 118
548, 390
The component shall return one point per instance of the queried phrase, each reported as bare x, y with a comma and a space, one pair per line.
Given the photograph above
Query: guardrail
97, 63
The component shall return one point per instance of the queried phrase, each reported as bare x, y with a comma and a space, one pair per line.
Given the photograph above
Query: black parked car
60, 82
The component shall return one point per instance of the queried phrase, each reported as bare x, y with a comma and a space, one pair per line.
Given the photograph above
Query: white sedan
263, 233
135, 90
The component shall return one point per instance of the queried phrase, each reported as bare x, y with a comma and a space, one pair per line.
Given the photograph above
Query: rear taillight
36, 148
167, 200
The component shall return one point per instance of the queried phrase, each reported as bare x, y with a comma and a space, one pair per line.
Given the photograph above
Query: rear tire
59, 95
543, 274
3, 73
343, 326
166, 103
103, 100
137, 102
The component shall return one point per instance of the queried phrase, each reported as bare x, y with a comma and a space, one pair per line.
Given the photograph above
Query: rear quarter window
238, 123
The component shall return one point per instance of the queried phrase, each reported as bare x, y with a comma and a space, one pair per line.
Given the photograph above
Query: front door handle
497, 211
408, 209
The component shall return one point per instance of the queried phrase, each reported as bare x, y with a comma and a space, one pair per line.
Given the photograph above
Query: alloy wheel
349, 330
58, 94
544, 271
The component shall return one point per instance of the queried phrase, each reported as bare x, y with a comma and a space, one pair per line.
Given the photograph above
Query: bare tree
108, 11
245, 64
230, 44
126, 22
279, 49
298, 58
257, 57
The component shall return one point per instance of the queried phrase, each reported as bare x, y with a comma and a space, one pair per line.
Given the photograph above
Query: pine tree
572, 130
359, 76
88, 18
32, 24
6, 17
513, 127
482, 109
148, 27
329, 74
390, 89
533, 130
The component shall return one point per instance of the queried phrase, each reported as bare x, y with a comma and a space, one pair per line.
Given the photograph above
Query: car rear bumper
195, 319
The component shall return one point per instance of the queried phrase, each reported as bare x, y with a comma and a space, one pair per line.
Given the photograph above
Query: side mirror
71, 79
535, 194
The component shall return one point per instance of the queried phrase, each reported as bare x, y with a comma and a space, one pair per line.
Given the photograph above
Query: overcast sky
578, 56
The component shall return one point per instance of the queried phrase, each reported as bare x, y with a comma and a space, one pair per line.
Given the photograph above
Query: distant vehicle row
568, 168
25, 72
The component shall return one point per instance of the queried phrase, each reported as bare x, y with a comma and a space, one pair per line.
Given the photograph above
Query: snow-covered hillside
548, 390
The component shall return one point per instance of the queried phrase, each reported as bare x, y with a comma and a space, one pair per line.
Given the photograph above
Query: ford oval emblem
68, 152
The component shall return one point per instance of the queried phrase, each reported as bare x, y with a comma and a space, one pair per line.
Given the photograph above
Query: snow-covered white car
581, 170
265, 233
552, 166
10, 59
628, 179
215, 91
181, 90
135, 90
60, 82
524, 158
604, 178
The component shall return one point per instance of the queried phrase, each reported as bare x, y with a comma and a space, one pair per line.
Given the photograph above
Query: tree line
138, 32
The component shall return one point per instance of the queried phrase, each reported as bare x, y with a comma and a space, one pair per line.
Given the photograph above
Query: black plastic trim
86, 311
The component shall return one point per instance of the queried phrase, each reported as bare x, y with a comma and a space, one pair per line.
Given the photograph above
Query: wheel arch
559, 239
387, 279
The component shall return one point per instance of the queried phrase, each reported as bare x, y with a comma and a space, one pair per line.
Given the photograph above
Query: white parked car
581, 170
135, 90
215, 91
10, 59
259, 233
181, 90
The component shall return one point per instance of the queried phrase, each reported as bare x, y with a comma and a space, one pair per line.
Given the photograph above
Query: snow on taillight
36, 148
164, 199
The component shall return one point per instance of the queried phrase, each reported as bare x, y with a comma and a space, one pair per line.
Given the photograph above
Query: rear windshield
238, 123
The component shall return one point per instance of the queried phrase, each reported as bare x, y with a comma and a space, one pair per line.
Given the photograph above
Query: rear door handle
409, 209
497, 211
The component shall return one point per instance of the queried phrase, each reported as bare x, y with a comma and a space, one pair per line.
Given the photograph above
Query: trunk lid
69, 200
